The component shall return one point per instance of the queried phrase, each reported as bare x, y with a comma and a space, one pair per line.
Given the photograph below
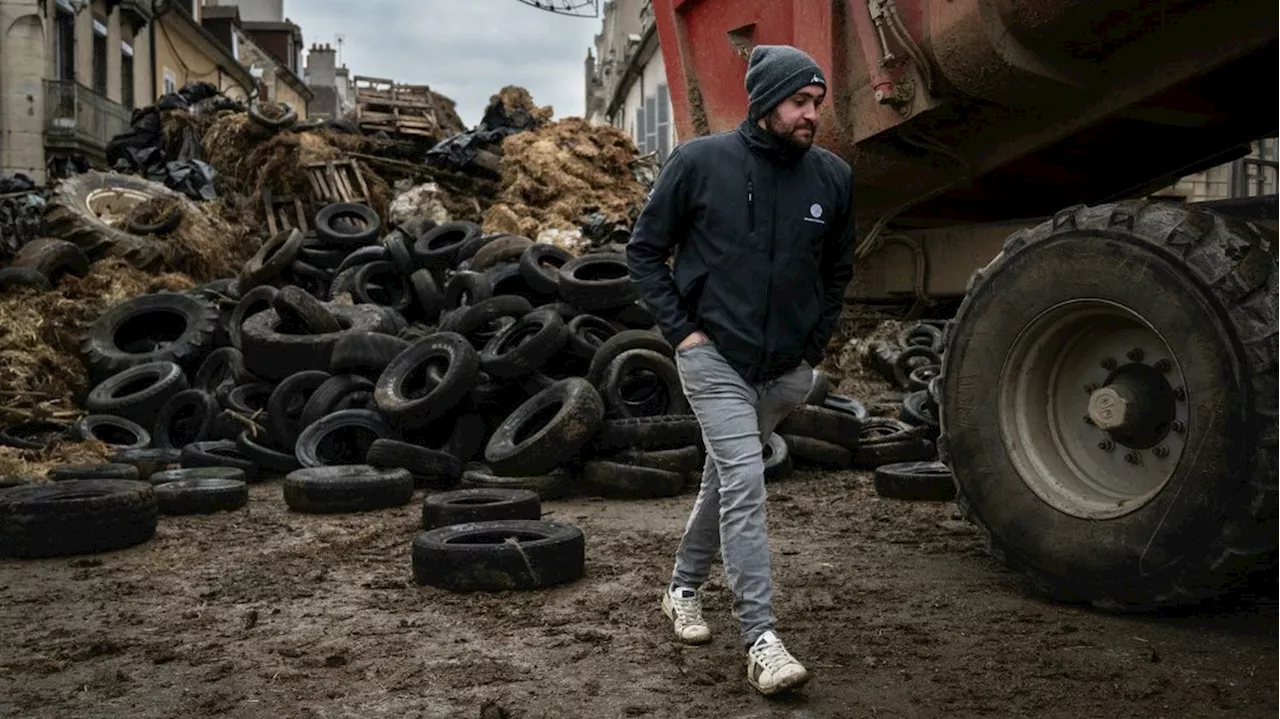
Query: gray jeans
736, 418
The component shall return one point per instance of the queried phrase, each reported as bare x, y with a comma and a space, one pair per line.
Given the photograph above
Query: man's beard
788, 133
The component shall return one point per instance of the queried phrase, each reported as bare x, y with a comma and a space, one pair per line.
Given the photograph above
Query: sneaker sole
784, 686
669, 613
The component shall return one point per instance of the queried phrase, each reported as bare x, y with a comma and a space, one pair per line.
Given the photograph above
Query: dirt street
894, 607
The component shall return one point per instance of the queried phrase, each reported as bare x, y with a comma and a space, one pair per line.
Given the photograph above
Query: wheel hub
1092, 409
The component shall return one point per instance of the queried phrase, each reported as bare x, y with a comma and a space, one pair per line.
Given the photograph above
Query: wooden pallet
285, 213
388, 106
337, 182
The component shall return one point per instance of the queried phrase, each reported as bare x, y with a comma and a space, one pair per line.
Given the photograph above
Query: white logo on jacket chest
815, 212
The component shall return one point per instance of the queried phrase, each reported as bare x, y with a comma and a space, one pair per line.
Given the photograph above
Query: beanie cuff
784, 88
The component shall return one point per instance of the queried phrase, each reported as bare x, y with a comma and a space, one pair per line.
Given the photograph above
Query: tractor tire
1108, 404
89, 210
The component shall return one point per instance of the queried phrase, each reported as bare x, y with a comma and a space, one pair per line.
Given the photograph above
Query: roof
220, 12
272, 26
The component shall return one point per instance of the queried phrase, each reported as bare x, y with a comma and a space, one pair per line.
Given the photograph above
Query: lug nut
1163, 365
1136, 354
1106, 445
1180, 394
1179, 426
1133, 458
1088, 420
1108, 364
1161, 451
1091, 387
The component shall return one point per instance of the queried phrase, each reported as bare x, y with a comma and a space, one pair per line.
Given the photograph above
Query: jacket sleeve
837, 270
658, 230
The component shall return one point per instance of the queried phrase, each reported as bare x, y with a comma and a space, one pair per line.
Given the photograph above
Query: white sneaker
683, 607
771, 668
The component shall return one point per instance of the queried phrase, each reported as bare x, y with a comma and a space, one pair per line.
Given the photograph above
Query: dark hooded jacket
763, 239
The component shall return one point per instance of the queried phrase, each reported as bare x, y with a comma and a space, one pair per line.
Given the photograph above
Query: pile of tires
362, 365
900, 446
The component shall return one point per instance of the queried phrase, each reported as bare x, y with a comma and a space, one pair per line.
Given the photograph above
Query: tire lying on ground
201, 495
499, 555
604, 478
926, 481
83, 517
461, 506
347, 488
547, 430
550, 485
1169, 495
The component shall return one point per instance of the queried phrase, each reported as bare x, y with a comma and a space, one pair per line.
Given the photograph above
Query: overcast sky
465, 49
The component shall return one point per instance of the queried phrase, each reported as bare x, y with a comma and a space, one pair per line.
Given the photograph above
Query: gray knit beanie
774, 72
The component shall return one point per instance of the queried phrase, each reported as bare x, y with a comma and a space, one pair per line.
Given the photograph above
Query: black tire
621, 342
165, 476
887, 441
116, 432
1208, 284
68, 518
329, 395
466, 289
919, 410
500, 251
603, 478
629, 393
188, 416
525, 346
461, 506
361, 256
551, 485
148, 461
341, 438
299, 309
818, 389
469, 248
681, 460
380, 283
288, 117
428, 294
365, 353
52, 258
910, 358
825, 424
827, 455
251, 304
164, 327
547, 430
347, 488
920, 377
430, 467
649, 433
221, 366
69, 216
405, 393
597, 282
502, 555
507, 280
924, 481
219, 453
848, 405
540, 265
287, 401
777, 459
34, 434
587, 334
399, 253
273, 354
921, 335
250, 400
201, 496
347, 224
272, 259
438, 247
138, 393
470, 321
15, 277
261, 449
70, 472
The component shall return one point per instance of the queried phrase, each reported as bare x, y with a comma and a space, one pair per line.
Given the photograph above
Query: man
762, 228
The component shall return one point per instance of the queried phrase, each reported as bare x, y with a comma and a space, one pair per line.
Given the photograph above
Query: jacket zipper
768, 288
751, 203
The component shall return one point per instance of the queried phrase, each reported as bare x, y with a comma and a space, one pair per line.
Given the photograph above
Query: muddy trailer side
1108, 397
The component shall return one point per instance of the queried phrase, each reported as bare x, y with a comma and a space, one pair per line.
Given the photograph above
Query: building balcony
137, 11
76, 117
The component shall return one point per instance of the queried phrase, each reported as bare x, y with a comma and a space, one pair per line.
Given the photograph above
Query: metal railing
73, 111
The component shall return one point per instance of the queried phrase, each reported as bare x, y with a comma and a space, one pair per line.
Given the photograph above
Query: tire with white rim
1108, 404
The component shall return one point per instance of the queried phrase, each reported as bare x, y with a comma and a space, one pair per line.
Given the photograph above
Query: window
100, 55
638, 133
126, 74
650, 123
170, 81
64, 40
664, 123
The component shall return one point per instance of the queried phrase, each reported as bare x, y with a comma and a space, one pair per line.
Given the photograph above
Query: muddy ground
894, 607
